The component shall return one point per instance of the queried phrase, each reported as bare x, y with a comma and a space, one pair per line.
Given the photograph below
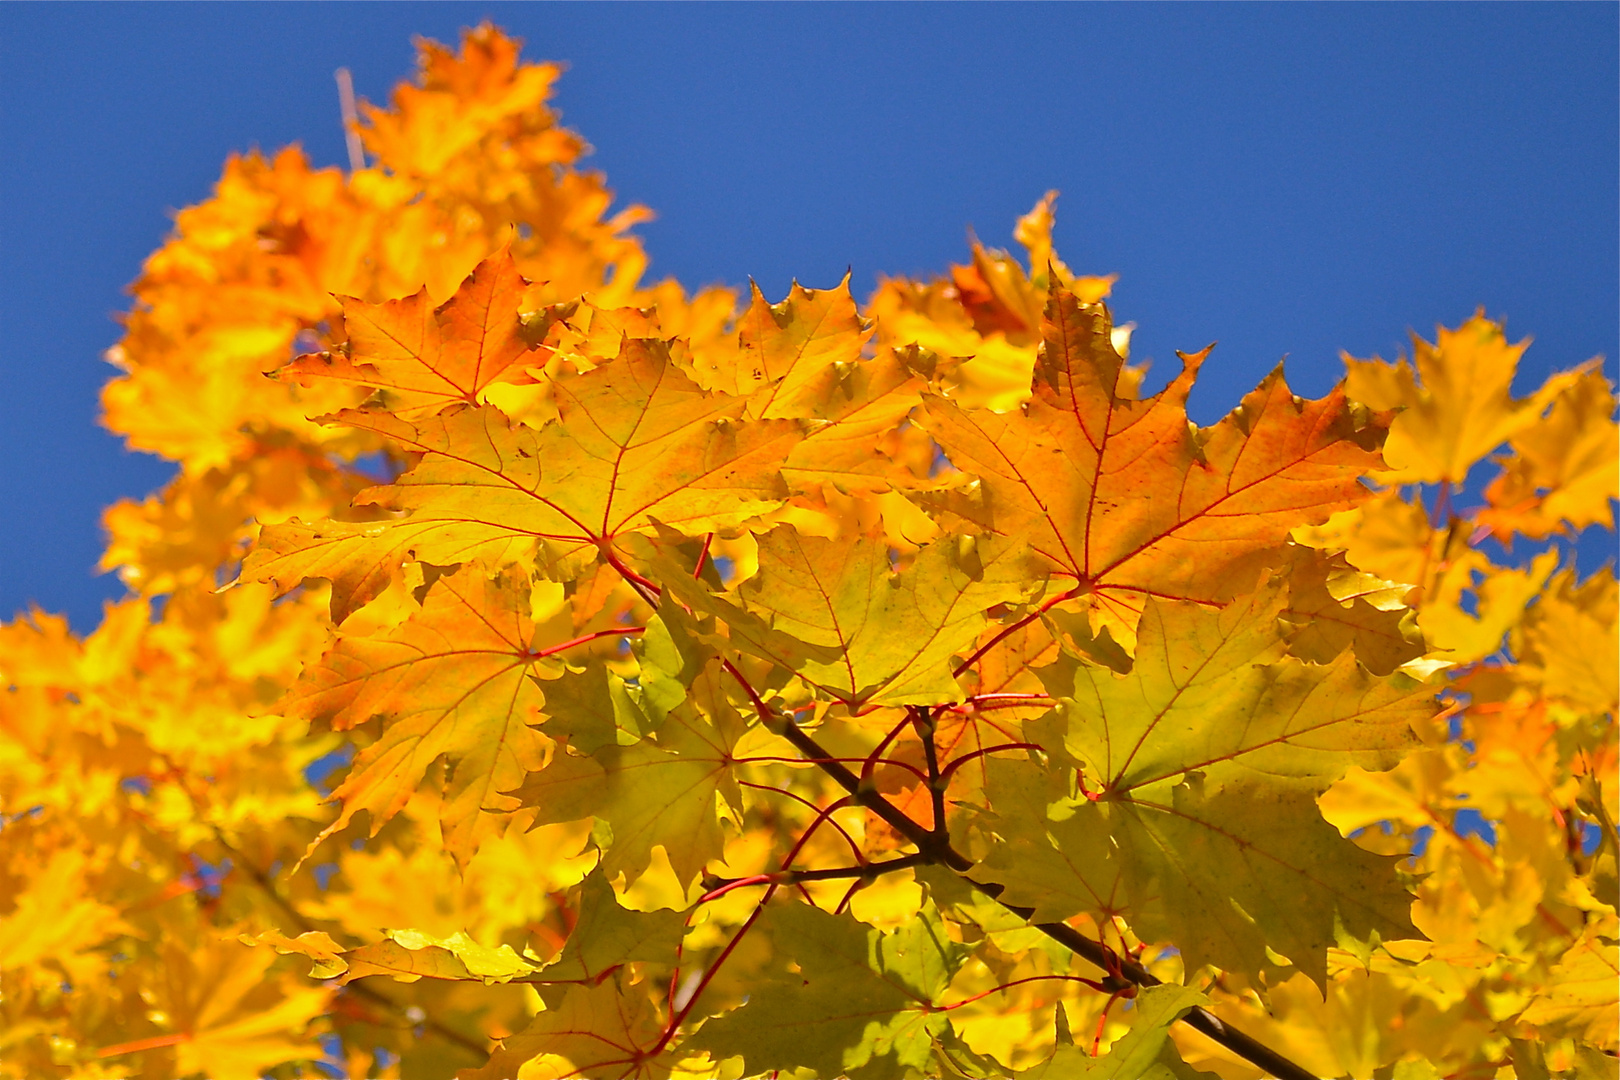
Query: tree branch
938, 849
935, 847
926, 720
1197, 1018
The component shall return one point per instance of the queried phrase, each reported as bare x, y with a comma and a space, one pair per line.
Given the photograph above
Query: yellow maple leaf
635, 442
458, 678
1583, 996
230, 1018
1564, 471
1457, 405
839, 614
983, 323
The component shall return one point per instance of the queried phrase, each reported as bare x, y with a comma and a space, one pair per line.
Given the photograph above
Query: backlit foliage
616, 681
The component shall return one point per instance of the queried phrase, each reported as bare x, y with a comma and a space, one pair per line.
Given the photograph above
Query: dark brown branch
938, 849
926, 720
1197, 1018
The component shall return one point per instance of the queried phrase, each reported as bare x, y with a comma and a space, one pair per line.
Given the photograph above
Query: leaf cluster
532, 673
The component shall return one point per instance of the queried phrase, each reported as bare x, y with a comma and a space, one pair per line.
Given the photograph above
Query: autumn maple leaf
1122, 498
423, 357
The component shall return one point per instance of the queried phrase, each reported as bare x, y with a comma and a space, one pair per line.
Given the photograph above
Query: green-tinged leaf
1225, 872
658, 792
838, 614
1592, 1063
1143, 1053
1332, 607
591, 709
608, 935
1058, 867
1214, 691
1205, 760
860, 1003
671, 657
601, 1032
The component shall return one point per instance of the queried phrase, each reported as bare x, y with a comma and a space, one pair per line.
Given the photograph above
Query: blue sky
1283, 179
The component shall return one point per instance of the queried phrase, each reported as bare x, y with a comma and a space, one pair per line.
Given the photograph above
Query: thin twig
1013, 628
823, 814
957, 763
351, 120
863, 871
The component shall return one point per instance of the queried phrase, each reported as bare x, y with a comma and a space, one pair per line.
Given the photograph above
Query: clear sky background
1287, 180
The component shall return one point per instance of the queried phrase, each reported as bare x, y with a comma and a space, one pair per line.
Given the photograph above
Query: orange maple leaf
636, 441
424, 357
1124, 497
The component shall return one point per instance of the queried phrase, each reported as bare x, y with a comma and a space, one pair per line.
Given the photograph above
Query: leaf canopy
886, 689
